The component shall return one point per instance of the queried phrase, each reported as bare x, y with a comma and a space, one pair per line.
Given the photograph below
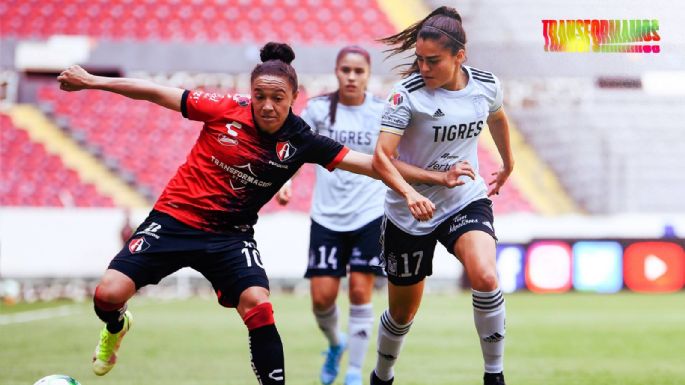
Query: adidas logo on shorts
438, 114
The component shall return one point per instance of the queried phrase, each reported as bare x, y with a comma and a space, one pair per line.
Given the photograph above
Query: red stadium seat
217, 21
32, 177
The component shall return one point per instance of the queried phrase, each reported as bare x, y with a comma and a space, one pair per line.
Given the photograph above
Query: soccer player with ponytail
249, 146
433, 121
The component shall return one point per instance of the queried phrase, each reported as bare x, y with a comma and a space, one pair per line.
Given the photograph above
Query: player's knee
259, 316
322, 300
109, 294
359, 295
402, 316
486, 281
251, 298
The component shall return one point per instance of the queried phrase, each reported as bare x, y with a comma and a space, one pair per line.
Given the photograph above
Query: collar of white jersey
458, 93
368, 98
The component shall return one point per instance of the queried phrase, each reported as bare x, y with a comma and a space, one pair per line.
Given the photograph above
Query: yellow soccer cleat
105, 355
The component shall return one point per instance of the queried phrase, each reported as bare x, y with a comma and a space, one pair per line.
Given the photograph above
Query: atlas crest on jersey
242, 99
285, 150
230, 138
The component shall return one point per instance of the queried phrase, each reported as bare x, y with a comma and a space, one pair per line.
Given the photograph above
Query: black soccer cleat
493, 379
377, 381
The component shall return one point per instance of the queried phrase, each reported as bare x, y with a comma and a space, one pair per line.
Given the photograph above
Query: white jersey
344, 201
439, 128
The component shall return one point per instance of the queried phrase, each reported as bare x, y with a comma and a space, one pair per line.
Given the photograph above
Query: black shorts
162, 245
330, 252
408, 258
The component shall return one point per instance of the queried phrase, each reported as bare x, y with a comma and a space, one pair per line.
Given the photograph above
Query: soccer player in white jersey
346, 215
433, 121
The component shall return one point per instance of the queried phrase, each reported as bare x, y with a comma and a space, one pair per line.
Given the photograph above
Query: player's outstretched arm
361, 163
76, 78
499, 129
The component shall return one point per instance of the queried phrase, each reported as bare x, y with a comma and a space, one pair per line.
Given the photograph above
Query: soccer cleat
353, 378
377, 381
331, 366
105, 355
493, 378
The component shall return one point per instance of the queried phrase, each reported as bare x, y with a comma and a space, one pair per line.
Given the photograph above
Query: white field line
37, 315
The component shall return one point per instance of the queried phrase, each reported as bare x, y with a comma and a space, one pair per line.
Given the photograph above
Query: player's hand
501, 176
284, 194
463, 168
421, 208
74, 78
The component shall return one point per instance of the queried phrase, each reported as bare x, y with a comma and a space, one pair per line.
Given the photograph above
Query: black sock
267, 355
113, 318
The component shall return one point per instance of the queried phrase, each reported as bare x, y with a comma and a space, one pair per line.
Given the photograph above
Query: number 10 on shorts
254, 255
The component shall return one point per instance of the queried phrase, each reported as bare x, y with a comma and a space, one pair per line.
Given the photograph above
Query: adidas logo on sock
388, 357
494, 338
438, 114
361, 334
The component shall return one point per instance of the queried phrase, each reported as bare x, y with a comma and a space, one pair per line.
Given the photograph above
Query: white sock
390, 338
489, 316
361, 321
328, 323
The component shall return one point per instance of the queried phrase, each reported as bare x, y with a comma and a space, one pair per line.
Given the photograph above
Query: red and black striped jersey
234, 168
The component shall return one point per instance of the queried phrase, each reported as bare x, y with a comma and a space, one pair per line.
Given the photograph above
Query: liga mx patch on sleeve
395, 99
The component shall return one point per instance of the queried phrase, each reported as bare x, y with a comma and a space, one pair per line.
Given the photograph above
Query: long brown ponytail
443, 24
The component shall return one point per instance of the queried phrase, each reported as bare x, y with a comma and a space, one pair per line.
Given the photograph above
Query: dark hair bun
448, 11
277, 51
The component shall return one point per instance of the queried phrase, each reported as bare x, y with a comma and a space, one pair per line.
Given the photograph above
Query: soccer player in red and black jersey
247, 149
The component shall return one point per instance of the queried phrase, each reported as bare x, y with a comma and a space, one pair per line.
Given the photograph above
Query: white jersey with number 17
439, 128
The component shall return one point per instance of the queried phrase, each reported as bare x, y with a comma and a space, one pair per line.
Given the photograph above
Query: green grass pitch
579, 339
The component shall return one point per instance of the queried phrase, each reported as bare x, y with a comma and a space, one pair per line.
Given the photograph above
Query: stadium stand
32, 177
614, 150
145, 142
197, 21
